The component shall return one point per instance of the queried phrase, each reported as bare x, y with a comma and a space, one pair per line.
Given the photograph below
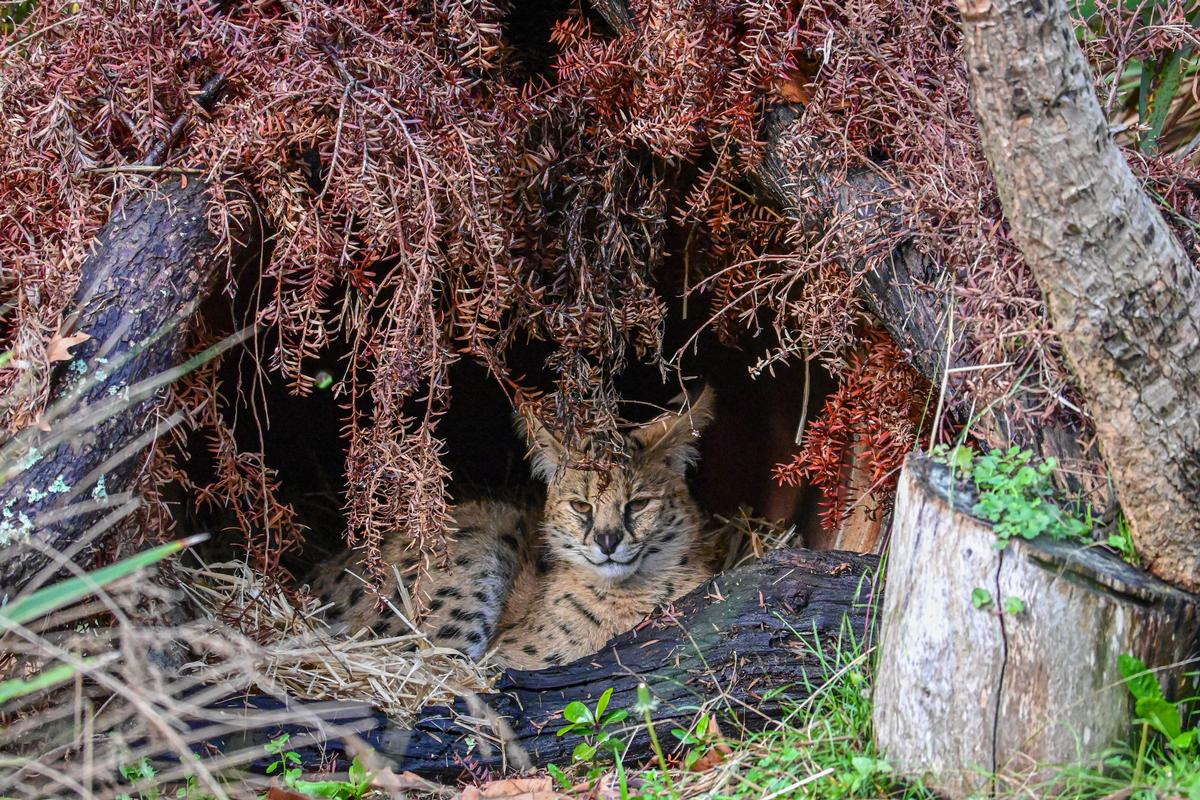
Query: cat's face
633, 516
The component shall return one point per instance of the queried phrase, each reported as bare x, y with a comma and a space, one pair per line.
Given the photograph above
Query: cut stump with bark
743, 646
152, 265
963, 693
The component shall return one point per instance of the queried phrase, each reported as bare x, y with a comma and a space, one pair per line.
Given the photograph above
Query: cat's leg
491, 547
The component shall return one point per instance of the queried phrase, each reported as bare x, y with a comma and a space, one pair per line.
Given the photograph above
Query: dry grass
298, 652
746, 538
130, 700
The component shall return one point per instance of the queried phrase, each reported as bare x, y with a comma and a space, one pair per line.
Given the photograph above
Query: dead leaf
277, 793
59, 348
513, 789
40, 423
717, 753
714, 757
794, 88
406, 782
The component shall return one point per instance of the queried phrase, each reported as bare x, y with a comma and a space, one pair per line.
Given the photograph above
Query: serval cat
546, 583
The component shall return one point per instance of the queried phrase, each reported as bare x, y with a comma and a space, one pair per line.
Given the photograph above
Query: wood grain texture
964, 692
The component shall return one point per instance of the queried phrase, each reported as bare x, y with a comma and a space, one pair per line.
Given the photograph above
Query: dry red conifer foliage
431, 197
876, 409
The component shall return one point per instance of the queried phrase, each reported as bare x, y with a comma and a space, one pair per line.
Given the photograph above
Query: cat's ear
546, 453
672, 437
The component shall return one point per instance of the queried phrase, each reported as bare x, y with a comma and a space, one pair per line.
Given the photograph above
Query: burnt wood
744, 646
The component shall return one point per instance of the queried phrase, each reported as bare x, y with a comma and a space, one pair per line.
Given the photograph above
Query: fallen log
152, 265
981, 700
906, 291
743, 646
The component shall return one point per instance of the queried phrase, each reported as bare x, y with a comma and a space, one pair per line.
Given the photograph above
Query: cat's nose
608, 540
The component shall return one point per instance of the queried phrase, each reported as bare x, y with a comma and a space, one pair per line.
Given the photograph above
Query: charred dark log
743, 646
152, 265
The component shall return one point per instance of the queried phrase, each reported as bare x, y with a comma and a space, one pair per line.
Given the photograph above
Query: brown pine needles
431, 197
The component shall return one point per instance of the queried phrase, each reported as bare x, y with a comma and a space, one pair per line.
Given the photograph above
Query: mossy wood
151, 266
743, 645
962, 692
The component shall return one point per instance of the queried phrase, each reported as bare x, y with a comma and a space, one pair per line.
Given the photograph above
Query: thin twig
150, 169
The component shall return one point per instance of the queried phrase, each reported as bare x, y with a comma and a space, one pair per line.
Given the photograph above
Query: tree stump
963, 694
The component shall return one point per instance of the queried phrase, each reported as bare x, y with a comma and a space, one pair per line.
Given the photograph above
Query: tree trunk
730, 647
1123, 295
153, 263
962, 694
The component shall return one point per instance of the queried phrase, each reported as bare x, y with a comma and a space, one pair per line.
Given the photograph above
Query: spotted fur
546, 583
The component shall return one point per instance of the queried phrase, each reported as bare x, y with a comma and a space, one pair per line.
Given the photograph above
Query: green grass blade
1145, 89
52, 598
1167, 80
19, 687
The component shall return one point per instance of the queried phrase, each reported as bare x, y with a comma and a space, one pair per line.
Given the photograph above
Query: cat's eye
581, 507
637, 504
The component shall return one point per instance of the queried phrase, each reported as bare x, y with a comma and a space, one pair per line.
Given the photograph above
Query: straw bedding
298, 652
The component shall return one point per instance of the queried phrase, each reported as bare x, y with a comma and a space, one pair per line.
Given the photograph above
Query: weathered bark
962, 694
614, 12
904, 291
152, 265
1123, 295
731, 646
